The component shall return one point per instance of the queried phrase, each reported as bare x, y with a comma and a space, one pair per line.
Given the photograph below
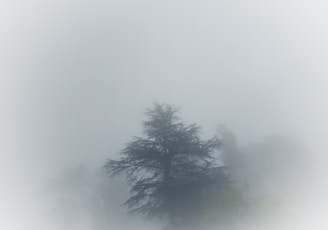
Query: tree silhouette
169, 168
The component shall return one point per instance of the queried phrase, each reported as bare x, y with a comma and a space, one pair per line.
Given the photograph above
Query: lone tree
169, 168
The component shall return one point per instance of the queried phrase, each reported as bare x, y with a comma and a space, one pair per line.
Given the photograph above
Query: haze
76, 77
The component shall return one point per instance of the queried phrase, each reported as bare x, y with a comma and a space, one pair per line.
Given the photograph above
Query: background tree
266, 175
169, 168
81, 199
231, 156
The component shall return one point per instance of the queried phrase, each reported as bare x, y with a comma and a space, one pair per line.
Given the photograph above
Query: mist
77, 76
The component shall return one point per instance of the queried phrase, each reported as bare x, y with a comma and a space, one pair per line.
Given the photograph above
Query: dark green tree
169, 168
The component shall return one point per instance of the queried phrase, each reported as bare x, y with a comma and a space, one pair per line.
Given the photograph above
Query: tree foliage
169, 168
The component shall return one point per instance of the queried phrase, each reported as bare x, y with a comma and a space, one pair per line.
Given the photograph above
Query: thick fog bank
76, 77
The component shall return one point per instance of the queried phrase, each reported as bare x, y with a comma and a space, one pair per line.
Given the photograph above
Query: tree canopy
169, 167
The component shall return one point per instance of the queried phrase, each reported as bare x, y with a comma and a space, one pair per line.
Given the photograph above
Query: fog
77, 76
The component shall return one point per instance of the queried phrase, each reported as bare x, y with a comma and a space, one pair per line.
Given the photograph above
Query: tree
77, 198
230, 152
277, 165
231, 156
169, 168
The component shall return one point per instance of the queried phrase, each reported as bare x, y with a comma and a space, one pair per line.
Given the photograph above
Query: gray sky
77, 75
83, 72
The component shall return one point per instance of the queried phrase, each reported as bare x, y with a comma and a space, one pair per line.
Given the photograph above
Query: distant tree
169, 168
277, 162
77, 198
230, 151
231, 156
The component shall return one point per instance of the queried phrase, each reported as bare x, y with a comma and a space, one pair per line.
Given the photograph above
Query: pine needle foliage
169, 168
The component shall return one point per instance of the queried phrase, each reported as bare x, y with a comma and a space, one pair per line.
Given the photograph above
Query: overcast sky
76, 76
